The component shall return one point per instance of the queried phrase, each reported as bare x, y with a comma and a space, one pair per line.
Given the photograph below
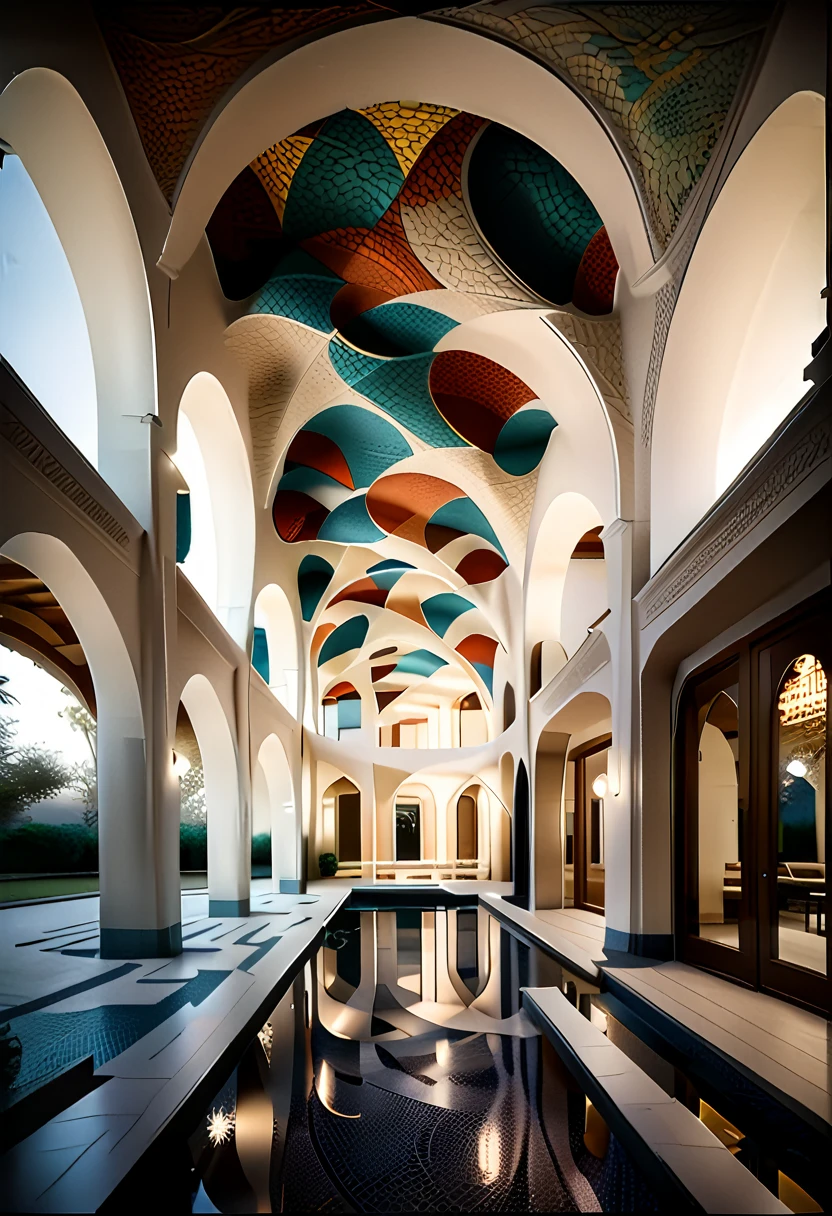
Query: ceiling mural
664, 75
365, 256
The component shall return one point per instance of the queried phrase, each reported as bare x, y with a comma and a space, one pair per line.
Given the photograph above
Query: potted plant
328, 865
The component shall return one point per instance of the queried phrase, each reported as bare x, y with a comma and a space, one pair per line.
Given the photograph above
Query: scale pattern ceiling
664, 75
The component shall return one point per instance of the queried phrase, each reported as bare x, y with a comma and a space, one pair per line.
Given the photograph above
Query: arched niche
340, 826
564, 593
275, 645
134, 895
212, 458
40, 309
229, 844
44, 120
747, 314
412, 58
283, 817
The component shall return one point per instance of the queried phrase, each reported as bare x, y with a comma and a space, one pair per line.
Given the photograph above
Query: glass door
793, 777
716, 911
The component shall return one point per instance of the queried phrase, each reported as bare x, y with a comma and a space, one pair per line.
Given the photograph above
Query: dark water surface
399, 1073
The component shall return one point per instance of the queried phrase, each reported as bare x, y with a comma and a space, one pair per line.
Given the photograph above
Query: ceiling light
797, 768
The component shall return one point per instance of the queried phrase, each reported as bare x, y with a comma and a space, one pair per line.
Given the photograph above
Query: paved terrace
155, 1028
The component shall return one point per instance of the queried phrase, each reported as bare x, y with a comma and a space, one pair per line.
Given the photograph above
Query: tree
27, 774
84, 777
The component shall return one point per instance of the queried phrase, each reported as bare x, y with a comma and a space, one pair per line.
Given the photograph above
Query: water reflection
401, 1073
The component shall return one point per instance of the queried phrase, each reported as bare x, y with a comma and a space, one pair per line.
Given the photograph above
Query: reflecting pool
400, 1073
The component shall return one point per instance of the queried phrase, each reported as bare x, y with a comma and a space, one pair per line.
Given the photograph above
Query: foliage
27, 774
84, 780
66, 848
48, 848
261, 849
328, 865
193, 846
84, 777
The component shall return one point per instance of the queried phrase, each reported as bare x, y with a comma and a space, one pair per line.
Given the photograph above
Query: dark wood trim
579, 756
757, 659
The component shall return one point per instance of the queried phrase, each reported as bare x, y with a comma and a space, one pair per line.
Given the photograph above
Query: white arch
229, 829
284, 813
216, 466
567, 518
408, 57
127, 857
47, 124
273, 612
748, 312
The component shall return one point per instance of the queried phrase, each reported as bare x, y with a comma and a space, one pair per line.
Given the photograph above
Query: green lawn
70, 884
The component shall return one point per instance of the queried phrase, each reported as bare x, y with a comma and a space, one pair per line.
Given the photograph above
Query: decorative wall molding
803, 457
40, 458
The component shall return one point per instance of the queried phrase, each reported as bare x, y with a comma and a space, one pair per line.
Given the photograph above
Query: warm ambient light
220, 1126
797, 768
443, 1052
181, 765
488, 1154
599, 786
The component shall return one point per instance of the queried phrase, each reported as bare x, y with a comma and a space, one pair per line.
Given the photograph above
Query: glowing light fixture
443, 1052
181, 765
599, 786
220, 1126
488, 1154
797, 768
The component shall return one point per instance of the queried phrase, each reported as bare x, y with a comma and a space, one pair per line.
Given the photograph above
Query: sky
40, 699
43, 331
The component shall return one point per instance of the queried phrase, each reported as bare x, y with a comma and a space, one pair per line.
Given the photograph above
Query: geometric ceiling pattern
664, 75
361, 250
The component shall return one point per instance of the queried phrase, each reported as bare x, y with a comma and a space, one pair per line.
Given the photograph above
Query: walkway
156, 1028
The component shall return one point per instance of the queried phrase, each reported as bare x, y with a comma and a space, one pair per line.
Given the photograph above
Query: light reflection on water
400, 1072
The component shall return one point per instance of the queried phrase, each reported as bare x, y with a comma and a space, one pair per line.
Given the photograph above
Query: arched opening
341, 828
48, 785
467, 826
341, 711
408, 828
279, 815
193, 823
509, 707
388, 60
751, 300
211, 456
566, 588
45, 122
228, 835
130, 873
274, 645
570, 794
585, 600
471, 721
40, 309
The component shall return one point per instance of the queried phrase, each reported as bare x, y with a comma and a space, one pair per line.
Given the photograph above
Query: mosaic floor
152, 1027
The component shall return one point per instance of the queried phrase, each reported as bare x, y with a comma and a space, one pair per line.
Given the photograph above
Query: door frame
579, 755
806, 628
698, 694
808, 634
